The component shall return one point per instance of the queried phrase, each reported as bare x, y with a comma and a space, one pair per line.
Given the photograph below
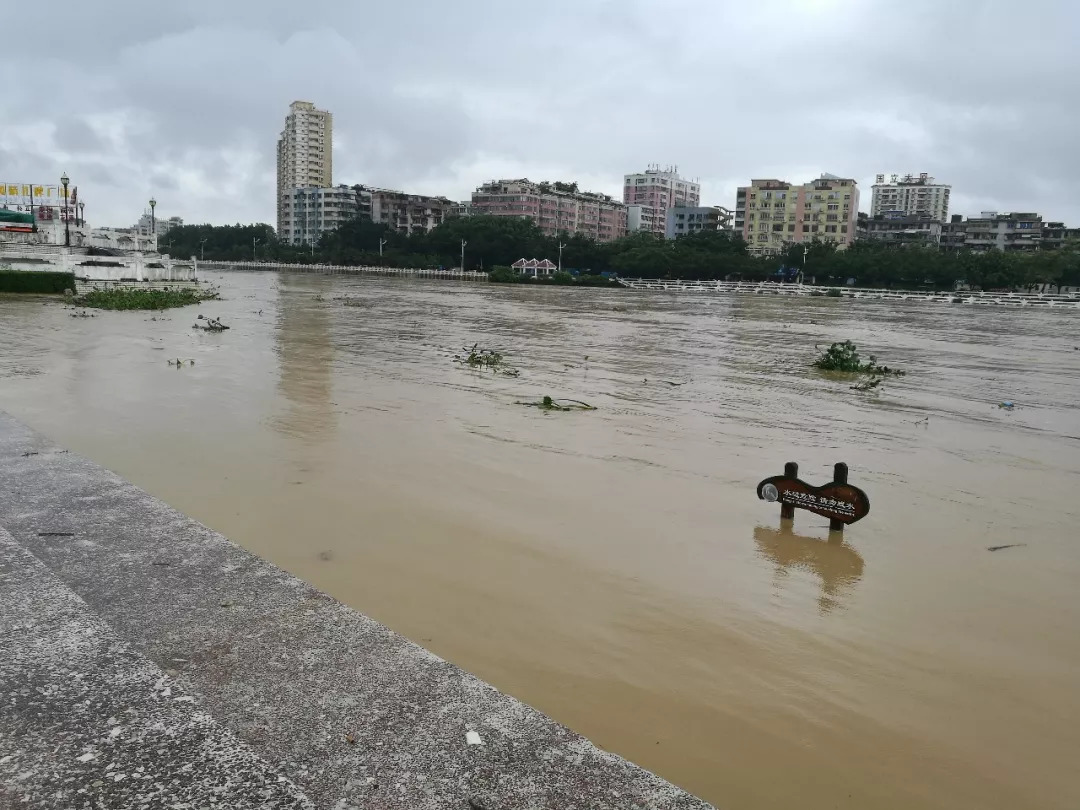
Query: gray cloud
185, 104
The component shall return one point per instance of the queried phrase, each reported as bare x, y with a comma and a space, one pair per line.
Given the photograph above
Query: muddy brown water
615, 568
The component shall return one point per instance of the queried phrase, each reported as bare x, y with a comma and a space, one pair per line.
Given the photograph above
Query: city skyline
123, 109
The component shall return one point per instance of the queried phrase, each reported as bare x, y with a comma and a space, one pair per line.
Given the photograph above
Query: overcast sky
185, 101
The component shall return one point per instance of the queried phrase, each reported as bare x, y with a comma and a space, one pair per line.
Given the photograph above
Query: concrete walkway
146, 661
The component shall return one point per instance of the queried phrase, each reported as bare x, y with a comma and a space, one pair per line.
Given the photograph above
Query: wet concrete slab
347, 712
87, 722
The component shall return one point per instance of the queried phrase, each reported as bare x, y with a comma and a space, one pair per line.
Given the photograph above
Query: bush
593, 280
507, 275
35, 281
832, 292
143, 299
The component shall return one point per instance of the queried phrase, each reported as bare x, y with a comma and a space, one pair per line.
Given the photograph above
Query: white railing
1071, 299
344, 269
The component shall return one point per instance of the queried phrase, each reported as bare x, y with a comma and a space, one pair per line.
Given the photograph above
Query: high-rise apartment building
649, 194
555, 207
305, 159
913, 195
771, 214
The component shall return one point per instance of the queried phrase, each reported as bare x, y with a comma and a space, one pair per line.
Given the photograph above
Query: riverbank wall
147, 661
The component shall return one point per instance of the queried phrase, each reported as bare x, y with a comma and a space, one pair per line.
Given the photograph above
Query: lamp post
67, 230
463, 244
561, 246
381, 243
153, 217
82, 215
254, 242
202, 250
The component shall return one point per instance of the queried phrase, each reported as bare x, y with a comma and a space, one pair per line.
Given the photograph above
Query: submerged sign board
837, 500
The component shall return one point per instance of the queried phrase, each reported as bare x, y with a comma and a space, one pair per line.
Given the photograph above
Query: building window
806, 229
834, 206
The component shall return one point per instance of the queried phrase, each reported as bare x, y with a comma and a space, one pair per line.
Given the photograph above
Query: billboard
20, 196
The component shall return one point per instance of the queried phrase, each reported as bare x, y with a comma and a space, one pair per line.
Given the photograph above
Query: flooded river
615, 568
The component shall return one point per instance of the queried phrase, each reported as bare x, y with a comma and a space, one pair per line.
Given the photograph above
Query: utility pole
202, 250
561, 246
463, 244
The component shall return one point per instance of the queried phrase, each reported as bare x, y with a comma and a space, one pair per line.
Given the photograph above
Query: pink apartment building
555, 207
650, 194
771, 214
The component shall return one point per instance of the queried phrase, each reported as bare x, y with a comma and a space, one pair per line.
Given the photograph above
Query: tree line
493, 242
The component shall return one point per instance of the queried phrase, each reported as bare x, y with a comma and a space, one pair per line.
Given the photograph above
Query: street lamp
202, 250
153, 218
561, 246
254, 242
82, 214
64, 180
463, 244
381, 243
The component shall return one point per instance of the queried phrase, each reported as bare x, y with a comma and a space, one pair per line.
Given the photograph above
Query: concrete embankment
147, 661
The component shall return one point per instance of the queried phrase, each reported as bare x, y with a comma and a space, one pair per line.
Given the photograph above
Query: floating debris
210, 324
486, 359
1007, 545
550, 404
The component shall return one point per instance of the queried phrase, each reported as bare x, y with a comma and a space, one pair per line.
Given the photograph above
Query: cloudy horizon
185, 104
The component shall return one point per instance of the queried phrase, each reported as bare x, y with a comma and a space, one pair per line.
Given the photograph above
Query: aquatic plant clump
129, 299
844, 357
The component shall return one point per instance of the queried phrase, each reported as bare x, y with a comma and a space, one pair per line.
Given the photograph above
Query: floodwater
615, 568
